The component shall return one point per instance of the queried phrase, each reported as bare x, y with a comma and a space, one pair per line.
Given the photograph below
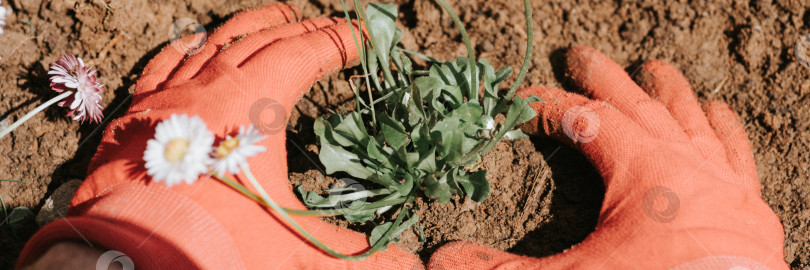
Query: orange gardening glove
207, 224
681, 186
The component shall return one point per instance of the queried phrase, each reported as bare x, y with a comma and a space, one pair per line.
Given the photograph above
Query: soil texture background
545, 196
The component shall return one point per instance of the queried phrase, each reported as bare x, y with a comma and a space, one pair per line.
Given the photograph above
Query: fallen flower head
69, 73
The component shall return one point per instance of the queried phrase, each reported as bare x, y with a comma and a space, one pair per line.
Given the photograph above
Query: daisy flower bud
70, 74
180, 150
234, 151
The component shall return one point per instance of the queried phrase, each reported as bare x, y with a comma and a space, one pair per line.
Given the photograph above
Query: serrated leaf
475, 185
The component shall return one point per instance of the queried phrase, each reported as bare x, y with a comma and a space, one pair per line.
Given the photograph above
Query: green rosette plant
418, 132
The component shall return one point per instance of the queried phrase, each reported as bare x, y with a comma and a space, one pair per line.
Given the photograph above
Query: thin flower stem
309, 236
388, 201
358, 6
362, 55
473, 87
527, 6
34, 112
424, 57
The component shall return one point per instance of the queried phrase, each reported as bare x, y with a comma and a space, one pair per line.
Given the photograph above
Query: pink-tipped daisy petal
69, 73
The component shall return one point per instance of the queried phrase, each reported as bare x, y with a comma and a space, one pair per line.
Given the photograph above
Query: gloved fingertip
583, 60
662, 80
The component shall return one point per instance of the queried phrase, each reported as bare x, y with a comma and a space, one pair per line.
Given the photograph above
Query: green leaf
519, 113
358, 216
427, 85
450, 179
406, 186
455, 77
516, 134
381, 19
323, 128
475, 185
421, 233
393, 131
437, 190
352, 129
336, 159
534, 98
377, 235
450, 135
469, 112
428, 162
373, 150
421, 140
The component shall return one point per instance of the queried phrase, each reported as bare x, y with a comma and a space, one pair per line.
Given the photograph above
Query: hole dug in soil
545, 197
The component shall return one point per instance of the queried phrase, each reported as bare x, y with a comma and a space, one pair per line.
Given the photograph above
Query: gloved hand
681, 185
207, 225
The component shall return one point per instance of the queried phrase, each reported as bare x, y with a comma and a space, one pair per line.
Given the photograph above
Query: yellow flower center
176, 149
224, 149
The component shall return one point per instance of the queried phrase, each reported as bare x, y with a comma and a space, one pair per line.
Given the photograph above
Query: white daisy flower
180, 150
234, 151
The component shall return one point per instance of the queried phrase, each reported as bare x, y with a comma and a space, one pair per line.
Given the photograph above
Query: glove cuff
153, 226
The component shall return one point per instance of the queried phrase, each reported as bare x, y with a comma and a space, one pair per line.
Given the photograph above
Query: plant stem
34, 112
424, 57
361, 53
527, 6
358, 6
304, 233
473, 85
307, 213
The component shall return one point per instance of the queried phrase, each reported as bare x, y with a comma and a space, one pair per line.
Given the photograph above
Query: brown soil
737, 51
